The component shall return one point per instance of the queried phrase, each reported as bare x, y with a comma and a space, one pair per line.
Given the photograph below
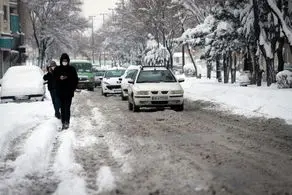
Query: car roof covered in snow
80, 61
133, 67
117, 68
154, 68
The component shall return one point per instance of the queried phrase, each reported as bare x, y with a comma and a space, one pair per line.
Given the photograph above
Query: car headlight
177, 92
142, 92
106, 83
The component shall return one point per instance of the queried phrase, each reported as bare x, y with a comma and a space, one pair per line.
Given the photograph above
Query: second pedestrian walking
49, 77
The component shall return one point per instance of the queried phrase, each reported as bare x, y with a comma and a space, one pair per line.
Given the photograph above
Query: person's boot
65, 126
58, 115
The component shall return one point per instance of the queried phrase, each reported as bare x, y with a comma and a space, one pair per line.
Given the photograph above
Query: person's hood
64, 56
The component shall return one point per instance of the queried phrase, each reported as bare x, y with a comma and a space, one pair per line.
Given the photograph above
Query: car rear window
154, 76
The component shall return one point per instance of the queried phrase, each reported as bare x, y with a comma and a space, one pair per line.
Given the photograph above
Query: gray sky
97, 7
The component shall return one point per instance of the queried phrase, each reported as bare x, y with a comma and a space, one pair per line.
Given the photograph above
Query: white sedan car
21, 83
110, 82
129, 74
155, 87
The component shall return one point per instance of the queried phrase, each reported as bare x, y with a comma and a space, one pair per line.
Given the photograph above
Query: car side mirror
181, 80
101, 78
120, 79
131, 81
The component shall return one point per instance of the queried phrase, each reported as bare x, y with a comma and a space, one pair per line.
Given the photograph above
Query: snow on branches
53, 23
155, 53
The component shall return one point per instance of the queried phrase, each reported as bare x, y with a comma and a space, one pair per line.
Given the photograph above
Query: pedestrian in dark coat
49, 77
66, 83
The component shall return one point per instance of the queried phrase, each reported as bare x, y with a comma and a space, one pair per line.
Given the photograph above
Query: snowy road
109, 150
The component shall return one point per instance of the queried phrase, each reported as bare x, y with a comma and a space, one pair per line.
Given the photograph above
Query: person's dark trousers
65, 109
56, 102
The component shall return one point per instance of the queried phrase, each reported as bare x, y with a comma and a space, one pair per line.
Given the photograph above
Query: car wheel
130, 106
103, 94
179, 108
136, 108
123, 97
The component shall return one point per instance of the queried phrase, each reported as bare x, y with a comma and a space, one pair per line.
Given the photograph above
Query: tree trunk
209, 68
280, 54
255, 65
218, 69
257, 30
183, 57
269, 67
233, 68
224, 68
226, 61
192, 59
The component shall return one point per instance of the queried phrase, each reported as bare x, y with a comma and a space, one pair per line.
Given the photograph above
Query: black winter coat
65, 88
51, 80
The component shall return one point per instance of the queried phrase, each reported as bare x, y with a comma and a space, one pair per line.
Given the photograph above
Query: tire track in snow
94, 151
66, 169
13, 137
29, 170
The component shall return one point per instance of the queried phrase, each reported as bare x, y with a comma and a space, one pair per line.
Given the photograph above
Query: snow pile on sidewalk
269, 102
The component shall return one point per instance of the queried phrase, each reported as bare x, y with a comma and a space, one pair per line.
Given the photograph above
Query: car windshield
131, 73
100, 73
114, 73
82, 67
155, 76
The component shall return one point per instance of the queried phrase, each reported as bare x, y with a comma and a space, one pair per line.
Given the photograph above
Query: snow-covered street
109, 150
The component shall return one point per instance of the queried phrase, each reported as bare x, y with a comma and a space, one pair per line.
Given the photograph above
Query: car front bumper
163, 101
23, 98
112, 89
85, 85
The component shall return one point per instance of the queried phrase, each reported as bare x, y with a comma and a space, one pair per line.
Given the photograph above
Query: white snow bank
105, 180
18, 119
66, 168
269, 102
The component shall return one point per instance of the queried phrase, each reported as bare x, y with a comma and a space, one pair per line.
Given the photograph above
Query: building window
5, 10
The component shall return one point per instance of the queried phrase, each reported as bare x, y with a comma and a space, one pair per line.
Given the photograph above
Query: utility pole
92, 37
113, 14
103, 17
103, 22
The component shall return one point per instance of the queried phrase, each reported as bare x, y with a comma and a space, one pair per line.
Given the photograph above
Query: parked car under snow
23, 83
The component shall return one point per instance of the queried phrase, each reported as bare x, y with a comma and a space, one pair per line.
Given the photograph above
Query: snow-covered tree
155, 53
221, 35
268, 24
53, 23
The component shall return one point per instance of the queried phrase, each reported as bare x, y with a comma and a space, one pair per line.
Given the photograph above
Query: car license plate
24, 97
159, 98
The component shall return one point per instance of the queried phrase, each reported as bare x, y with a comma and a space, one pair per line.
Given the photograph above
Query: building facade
12, 48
